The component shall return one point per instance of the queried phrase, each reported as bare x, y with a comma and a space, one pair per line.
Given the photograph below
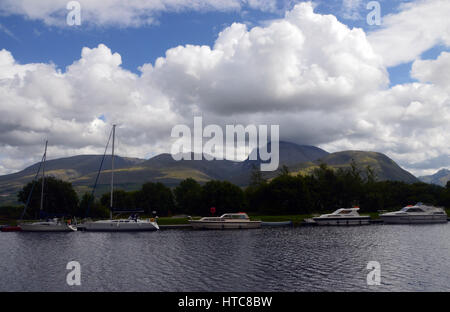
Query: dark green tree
286, 194
188, 196
256, 176
155, 197
122, 200
59, 198
96, 209
224, 196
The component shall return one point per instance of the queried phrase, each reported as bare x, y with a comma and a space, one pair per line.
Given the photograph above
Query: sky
318, 69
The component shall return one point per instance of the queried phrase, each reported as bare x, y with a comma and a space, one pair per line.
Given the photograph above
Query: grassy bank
296, 219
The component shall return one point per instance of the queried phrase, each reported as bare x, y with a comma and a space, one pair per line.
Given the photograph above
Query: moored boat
10, 228
342, 216
49, 225
226, 221
53, 225
416, 214
133, 223
121, 225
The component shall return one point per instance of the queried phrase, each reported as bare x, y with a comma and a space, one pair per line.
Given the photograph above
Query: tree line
324, 190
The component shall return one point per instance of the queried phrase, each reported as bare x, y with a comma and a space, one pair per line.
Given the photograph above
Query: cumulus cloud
418, 27
39, 101
305, 61
124, 13
322, 82
433, 71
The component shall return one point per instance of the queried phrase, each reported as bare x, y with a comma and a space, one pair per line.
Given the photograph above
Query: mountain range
440, 178
131, 173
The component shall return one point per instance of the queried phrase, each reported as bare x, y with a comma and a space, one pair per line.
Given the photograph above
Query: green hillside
383, 167
131, 173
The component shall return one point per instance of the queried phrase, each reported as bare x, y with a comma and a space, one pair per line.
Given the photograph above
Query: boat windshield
235, 216
411, 209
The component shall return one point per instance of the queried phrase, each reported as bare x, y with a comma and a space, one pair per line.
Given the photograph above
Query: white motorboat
342, 216
418, 213
226, 221
50, 225
133, 223
53, 225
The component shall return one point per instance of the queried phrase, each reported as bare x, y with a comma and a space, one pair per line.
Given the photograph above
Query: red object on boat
213, 210
11, 229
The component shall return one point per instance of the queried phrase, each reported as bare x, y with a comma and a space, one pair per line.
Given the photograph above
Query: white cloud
433, 71
38, 101
351, 9
304, 62
8, 32
419, 26
319, 80
123, 13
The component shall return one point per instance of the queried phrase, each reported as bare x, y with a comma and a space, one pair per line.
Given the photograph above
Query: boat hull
342, 221
10, 229
414, 219
101, 226
46, 227
202, 225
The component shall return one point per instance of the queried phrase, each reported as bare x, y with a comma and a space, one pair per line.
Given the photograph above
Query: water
412, 258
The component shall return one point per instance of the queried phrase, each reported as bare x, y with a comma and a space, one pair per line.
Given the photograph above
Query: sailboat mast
43, 176
112, 173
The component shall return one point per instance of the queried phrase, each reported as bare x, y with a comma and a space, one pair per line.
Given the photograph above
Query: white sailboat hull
120, 226
47, 227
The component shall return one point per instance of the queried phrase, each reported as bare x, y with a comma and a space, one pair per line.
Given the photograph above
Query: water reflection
412, 258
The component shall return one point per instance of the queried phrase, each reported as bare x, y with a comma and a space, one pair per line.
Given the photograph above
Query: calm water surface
412, 258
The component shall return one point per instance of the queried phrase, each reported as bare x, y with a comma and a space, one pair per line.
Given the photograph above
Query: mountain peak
440, 177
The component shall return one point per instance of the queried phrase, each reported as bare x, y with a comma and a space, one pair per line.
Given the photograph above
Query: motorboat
53, 225
238, 220
342, 216
133, 223
418, 213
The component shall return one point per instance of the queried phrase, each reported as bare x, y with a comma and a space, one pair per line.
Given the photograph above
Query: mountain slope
131, 173
383, 167
72, 169
290, 154
440, 178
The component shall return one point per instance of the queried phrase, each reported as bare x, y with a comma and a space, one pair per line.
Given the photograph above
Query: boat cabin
240, 215
345, 212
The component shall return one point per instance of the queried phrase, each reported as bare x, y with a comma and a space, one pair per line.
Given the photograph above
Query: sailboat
133, 223
51, 225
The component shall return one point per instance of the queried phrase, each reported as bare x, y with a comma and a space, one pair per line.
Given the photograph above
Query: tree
223, 195
188, 196
121, 200
256, 177
90, 207
59, 198
286, 194
284, 170
155, 197
325, 187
